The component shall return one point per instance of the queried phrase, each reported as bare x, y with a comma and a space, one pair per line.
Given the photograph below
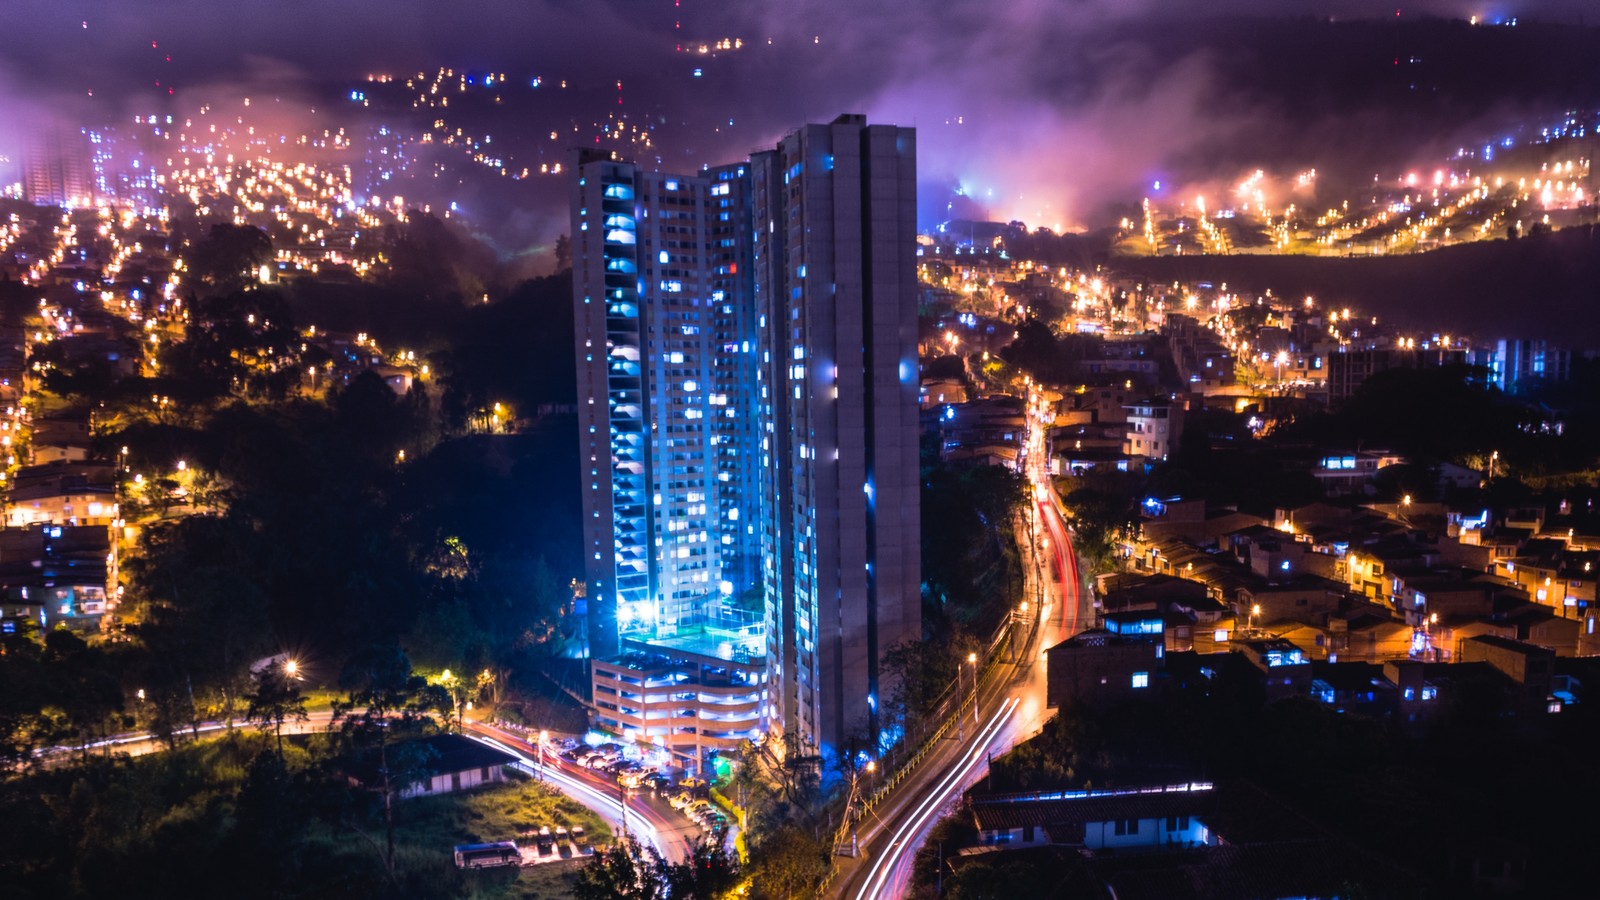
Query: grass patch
426, 828
498, 813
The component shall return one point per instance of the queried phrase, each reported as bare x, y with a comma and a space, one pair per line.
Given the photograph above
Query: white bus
478, 856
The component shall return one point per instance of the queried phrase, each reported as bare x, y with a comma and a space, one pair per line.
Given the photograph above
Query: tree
229, 255
276, 698
563, 252
270, 814
627, 870
26, 680
206, 622
788, 864
84, 687
923, 672
708, 873
386, 700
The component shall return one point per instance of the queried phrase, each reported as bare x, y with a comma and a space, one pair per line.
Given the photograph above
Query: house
60, 440
62, 493
1187, 840
1528, 665
458, 764
1305, 598
1349, 473
1153, 428
1356, 686
1287, 669
1125, 820
53, 575
1097, 667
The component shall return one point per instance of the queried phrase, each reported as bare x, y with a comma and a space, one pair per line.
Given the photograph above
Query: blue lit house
1127, 820
1287, 668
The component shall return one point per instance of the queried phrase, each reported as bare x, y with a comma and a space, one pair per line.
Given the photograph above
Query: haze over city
676, 450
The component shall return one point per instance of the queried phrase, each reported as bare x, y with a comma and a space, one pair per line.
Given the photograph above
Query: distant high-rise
747, 391
56, 170
1512, 361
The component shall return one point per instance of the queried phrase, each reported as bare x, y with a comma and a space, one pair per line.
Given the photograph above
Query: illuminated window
1141, 679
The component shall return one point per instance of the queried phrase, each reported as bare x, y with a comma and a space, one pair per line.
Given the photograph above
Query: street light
291, 668
543, 736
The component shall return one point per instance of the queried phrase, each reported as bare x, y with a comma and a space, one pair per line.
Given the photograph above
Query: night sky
1041, 110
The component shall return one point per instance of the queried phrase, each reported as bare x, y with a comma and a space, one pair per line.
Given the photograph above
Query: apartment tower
747, 378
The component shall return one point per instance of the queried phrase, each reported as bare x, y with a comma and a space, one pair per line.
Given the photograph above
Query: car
562, 836
546, 841
679, 800
580, 839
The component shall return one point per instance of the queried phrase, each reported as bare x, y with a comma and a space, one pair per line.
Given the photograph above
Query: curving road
1010, 708
644, 816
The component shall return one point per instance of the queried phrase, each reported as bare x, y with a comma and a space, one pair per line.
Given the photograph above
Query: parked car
546, 840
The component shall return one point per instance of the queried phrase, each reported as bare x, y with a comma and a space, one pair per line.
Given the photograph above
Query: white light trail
884, 866
590, 796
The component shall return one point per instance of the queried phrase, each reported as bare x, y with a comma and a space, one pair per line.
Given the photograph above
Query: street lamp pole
961, 721
972, 659
622, 797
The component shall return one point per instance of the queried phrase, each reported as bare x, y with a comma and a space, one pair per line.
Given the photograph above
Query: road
645, 816
138, 743
1011, 703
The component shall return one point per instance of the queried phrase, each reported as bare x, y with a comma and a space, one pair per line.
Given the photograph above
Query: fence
904, 766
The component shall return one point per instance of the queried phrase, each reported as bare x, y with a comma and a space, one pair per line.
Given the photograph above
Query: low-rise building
1100, 668
62, 493
689, 695
53, 576
458, 764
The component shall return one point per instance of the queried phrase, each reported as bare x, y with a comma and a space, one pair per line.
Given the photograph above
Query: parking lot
689, 797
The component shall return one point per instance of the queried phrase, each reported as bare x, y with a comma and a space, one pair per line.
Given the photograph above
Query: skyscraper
835, 256
666, 350
747, 377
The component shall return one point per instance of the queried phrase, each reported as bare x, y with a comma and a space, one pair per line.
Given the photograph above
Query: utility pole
622, 797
